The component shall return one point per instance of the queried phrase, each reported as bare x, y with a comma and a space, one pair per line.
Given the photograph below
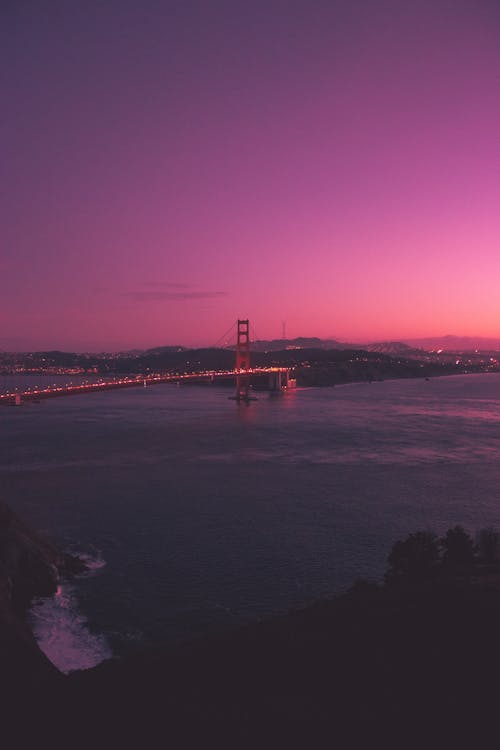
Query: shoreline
429, 371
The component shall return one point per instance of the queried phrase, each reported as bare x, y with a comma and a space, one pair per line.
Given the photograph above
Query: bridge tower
242, 361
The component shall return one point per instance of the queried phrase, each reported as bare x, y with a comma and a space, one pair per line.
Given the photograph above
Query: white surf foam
91, 561
62, 631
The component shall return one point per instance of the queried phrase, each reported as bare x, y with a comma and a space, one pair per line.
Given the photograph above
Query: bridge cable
254, 335
224, 335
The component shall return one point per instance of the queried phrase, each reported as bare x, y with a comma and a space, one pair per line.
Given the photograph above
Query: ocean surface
199, 514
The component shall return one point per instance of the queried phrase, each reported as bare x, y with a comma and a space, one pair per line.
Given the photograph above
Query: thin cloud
166, 285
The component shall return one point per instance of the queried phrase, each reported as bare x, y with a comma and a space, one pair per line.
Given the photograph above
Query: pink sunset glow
169, 167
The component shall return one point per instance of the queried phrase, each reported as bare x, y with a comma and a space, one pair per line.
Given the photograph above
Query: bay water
198, 514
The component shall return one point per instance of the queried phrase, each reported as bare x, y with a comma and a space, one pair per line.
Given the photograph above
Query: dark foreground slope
417, 668
391, 666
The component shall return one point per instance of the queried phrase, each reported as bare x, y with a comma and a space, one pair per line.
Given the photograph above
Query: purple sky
170, 166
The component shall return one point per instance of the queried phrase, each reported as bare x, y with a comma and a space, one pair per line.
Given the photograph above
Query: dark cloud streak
166, 285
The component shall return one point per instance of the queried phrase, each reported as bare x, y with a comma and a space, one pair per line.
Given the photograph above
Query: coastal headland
413, 663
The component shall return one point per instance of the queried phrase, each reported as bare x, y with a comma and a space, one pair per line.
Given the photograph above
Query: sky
169, 166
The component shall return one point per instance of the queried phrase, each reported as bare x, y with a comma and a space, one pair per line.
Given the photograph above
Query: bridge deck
37, 394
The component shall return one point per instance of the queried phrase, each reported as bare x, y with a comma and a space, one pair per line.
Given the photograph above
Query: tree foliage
458, 547
488, 542
415, 559
422, 556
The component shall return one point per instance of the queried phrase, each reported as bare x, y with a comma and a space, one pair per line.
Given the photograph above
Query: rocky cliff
30, 566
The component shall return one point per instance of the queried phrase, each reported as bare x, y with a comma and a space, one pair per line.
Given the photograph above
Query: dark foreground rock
30, 567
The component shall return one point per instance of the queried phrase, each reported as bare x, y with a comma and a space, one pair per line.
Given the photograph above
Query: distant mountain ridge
301, 342
456, 343
384, 347
164, 349
405, 347
413, 348
394, 347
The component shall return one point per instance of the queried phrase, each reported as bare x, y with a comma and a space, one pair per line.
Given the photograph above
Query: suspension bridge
246, 379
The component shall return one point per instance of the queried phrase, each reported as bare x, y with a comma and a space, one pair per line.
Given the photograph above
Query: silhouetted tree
458, 547
415, 559
488, 542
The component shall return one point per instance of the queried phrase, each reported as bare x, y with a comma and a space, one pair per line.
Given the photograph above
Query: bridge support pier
278, 381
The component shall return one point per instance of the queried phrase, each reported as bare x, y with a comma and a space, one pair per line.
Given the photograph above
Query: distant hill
164, 350
385, 347
394, 348
278, 345
407, 347
456, 343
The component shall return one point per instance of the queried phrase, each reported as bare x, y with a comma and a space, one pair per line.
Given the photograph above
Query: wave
62, 630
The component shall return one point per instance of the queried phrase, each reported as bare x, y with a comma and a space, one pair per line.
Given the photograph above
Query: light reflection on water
209, 514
